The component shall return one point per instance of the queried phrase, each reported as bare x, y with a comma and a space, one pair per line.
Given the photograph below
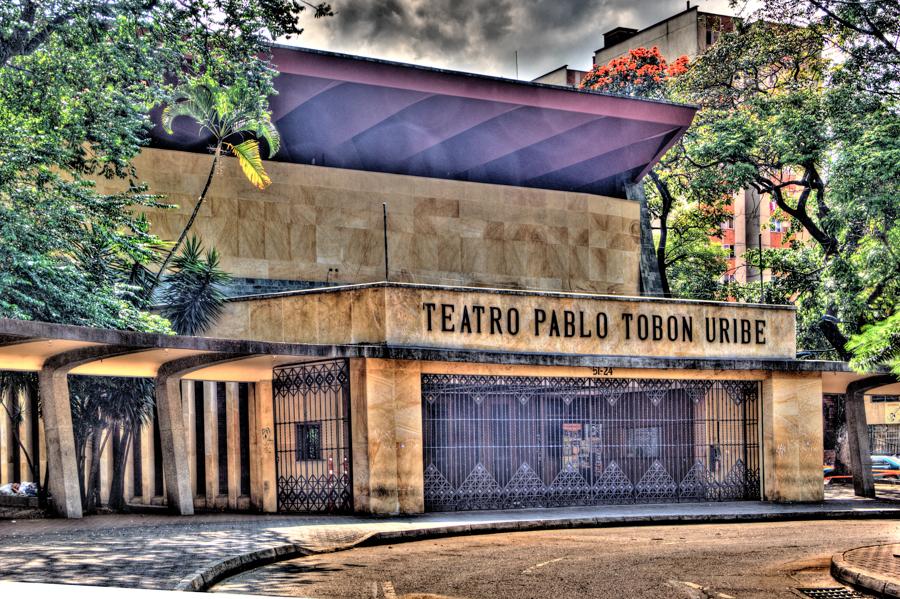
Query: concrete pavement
874, 568
190, 553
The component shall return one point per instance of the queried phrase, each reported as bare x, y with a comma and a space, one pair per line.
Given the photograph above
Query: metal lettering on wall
514, 442
476, 319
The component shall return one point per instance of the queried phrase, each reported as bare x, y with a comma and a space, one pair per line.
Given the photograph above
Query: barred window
309, 441
885, 398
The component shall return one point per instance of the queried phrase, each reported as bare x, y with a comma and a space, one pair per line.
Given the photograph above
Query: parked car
883, 467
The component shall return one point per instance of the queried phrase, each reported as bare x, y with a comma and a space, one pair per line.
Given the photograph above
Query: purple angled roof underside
356, 113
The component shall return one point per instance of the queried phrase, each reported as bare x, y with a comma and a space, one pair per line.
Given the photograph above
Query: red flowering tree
642, 72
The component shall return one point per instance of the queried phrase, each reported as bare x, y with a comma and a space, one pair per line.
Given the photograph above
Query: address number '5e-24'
601, 370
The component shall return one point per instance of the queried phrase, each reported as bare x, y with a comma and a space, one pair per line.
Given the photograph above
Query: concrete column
190, 430
387, 436
106, 468
211, 442
6, 440
792, 437
176, 473
265, 429
256, 486
26, 432
233, 443
53, 386
858, 432
359, 433
147, 463
129, 471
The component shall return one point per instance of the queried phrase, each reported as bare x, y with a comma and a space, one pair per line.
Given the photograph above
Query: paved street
761, 560
159, 551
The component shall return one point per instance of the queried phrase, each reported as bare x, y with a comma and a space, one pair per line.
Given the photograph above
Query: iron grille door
514, 442
312, 437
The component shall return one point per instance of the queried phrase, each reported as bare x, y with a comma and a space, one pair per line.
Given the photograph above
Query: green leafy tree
106, 414
778, 116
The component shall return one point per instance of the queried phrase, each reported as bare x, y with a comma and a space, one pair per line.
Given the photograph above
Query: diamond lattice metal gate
312, 437
513, 442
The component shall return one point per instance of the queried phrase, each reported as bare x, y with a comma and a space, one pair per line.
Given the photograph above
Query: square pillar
256, 490
211, 442
129, 471
106, 467
190, 430
386, 422
792, 444
233, 443
265, 487
6, 440
148, 486
26, 432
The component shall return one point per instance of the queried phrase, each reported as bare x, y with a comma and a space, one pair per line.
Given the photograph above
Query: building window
728, 223
729, 248
777, 226
309, 441
884, 398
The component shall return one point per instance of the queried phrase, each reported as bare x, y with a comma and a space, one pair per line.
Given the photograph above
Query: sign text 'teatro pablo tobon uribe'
619, 327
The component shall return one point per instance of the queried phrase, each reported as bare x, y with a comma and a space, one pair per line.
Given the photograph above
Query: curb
204, 578
863, 579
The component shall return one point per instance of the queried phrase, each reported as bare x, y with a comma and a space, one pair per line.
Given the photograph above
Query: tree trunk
667, 203
121, 443
190, 223
92, 491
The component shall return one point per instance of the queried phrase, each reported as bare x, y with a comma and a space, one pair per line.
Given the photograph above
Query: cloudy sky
482, 35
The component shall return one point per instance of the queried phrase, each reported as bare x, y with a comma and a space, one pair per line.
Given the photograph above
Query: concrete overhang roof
352, 112
27, 345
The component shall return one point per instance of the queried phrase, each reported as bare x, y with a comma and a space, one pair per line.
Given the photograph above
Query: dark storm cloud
482, 35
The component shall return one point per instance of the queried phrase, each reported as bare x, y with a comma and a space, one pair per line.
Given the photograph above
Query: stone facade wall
571, 324
317, 224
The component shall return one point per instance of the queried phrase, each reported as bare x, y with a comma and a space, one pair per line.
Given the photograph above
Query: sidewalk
189, 553
875, 569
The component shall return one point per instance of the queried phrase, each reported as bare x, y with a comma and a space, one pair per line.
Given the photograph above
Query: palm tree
107, 411
194, 296
237, 117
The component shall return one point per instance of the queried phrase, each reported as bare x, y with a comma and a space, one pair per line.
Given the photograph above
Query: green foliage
784, 115
877, 344
193, 298
78, 81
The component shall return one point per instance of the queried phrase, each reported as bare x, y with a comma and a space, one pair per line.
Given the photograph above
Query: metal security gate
498, 442
312, 437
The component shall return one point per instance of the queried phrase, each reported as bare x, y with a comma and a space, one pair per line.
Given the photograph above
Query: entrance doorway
500, 442
312, 437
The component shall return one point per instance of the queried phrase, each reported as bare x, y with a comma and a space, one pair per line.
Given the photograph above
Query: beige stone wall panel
314, 218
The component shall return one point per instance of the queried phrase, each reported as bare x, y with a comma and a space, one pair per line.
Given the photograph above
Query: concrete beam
176, 470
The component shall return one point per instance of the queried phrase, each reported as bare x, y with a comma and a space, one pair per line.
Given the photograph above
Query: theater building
437, 306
